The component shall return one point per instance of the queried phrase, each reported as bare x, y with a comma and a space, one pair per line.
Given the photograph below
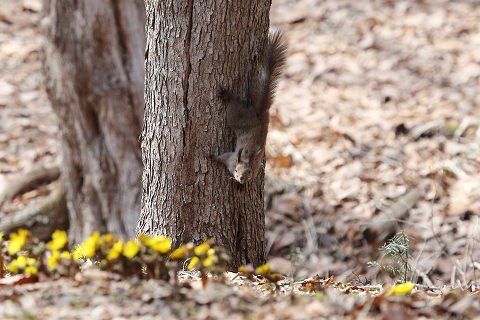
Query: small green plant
397, 249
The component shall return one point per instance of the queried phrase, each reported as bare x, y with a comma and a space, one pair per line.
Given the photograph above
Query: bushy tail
275, 58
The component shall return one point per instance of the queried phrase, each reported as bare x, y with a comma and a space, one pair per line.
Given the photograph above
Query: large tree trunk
94, 66
192, 47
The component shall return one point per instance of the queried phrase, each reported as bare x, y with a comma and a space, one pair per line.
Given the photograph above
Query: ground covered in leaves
98, 295
378, 115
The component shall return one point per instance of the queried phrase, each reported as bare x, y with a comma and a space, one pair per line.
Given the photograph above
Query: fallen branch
427, 129
387, 221
42, 217
27, 181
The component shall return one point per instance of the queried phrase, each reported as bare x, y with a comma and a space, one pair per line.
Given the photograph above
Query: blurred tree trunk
192, 47
94, 68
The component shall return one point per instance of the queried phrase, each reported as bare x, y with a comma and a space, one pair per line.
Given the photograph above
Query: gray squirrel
248, 116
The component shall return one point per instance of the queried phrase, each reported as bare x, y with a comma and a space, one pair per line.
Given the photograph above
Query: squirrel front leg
241, 171
229, 159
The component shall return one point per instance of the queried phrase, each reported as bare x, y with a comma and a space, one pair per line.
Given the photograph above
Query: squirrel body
249, 116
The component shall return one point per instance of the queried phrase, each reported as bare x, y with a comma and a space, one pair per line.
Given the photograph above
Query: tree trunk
192, 47
94, 67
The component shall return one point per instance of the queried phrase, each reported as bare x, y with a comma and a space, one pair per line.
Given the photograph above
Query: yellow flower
400, 289
247, 269
90, 245
89, 250
13, 266
23, 233
263, 269
59, 240
115, 250
193, 263
52, 261
143, 238
108, 239
1, 236
31, 270
17, 241
95, 235
130, 249
157, 243
15, 245
21, 262
210, 260
160, 244
78, 252
202, 248
181, 252
65, 255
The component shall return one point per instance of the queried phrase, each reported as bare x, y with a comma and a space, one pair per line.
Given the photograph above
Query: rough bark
93, 60
192, 47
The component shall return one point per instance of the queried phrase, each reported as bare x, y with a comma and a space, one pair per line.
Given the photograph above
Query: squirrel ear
239, 155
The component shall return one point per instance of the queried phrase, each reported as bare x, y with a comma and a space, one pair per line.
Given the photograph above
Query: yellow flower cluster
17, 241
116, 248
146, 256
115, 251
55, 257
158, 244
265, 271
88, 248
59, 240
205, 256
181, 252
23, 264
130, 249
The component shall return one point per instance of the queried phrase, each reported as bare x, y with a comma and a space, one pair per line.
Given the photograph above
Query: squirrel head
242, 172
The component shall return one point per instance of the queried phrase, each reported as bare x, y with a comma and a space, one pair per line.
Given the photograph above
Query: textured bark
94, 67
192, 47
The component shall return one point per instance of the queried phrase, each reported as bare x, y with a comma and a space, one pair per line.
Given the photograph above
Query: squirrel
248, 116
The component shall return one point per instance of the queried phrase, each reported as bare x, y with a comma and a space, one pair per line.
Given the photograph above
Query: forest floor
377, 116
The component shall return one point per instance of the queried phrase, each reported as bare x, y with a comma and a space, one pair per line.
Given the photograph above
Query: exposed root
28, 181
41, 217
